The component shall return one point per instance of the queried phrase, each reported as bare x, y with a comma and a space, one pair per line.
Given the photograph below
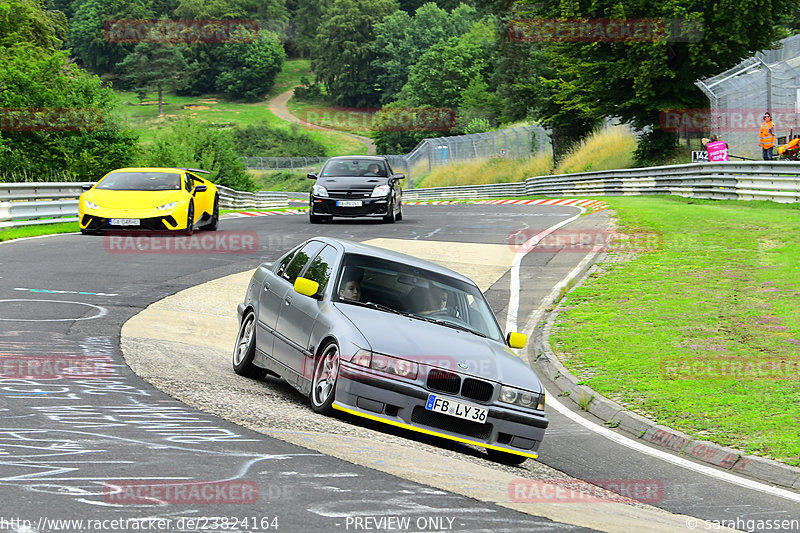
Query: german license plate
348, 203
124, 222
457, 409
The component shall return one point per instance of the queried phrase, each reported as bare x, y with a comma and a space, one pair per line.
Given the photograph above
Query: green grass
6, 234
290, 74
482, 171
322, 113
282, 181
670, 333
216, 110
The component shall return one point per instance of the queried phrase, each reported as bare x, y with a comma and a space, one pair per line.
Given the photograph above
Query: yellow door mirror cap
306, 286
516, 340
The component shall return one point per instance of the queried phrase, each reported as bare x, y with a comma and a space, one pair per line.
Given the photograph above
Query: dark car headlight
522, 398
380, 191
386, 364
319, 190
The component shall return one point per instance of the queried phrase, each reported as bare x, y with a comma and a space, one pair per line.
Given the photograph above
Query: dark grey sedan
392, 338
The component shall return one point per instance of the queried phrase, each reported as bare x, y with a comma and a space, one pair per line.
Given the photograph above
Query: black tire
189, 220
326, 375
390, 218
245, 348
506, 458
399, 215
214, 223
314, 219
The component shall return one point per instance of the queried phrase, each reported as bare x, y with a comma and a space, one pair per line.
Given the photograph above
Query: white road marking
530, 244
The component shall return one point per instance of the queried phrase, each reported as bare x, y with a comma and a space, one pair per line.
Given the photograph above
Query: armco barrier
749, 180
27, 204
776, 181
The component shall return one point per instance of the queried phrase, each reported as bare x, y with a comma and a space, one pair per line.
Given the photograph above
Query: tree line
395, 55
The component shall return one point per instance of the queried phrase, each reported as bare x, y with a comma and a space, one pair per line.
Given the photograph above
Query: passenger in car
350, 287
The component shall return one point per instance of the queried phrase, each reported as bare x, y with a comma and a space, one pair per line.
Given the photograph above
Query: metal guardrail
28, 204
233, 199
775, 181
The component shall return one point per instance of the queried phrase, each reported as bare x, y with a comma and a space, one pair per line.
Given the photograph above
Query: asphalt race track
81, 446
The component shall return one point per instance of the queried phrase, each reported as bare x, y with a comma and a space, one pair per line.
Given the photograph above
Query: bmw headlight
319, 190
167, 206
380, 191
90, 205
522, 398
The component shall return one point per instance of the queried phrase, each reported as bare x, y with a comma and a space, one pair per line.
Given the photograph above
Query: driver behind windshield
350, 286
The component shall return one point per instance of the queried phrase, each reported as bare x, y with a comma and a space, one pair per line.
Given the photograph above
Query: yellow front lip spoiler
429, 432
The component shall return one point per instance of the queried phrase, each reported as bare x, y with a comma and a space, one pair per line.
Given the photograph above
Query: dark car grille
444, 381
354, 194
477, 390
155, 223
420, 415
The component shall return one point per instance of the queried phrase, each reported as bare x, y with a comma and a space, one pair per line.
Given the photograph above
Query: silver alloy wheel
325, 375
244, 340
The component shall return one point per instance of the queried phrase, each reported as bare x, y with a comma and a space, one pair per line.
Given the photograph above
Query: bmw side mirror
516, 340
398, 176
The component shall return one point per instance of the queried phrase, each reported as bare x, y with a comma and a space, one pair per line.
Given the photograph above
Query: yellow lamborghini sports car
160, 199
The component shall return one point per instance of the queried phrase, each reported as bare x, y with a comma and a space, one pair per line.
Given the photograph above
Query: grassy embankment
701, 334
606, 149
211, 108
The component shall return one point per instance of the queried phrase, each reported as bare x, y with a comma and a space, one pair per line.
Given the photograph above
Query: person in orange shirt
766, 137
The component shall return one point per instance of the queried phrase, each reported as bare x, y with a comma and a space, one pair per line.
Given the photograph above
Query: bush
191, 143
263, 140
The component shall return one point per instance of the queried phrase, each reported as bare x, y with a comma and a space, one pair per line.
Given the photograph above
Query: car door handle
288, 300
266, 286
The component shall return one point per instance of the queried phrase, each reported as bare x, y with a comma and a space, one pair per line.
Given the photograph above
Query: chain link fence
516, 142
769, 81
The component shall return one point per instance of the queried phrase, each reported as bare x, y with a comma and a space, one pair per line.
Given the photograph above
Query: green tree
636, 80
195, 144
68, 126
26, 21
153, 66
248, 70
87, 36
343, 58
440, 77
306, 18
400, 40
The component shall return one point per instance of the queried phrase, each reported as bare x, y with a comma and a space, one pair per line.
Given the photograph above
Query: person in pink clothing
717, 150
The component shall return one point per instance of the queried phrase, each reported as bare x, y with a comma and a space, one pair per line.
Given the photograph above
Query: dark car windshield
354, 168
141, 181
419, 293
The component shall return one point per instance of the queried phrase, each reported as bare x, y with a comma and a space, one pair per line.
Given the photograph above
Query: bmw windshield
418, 293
